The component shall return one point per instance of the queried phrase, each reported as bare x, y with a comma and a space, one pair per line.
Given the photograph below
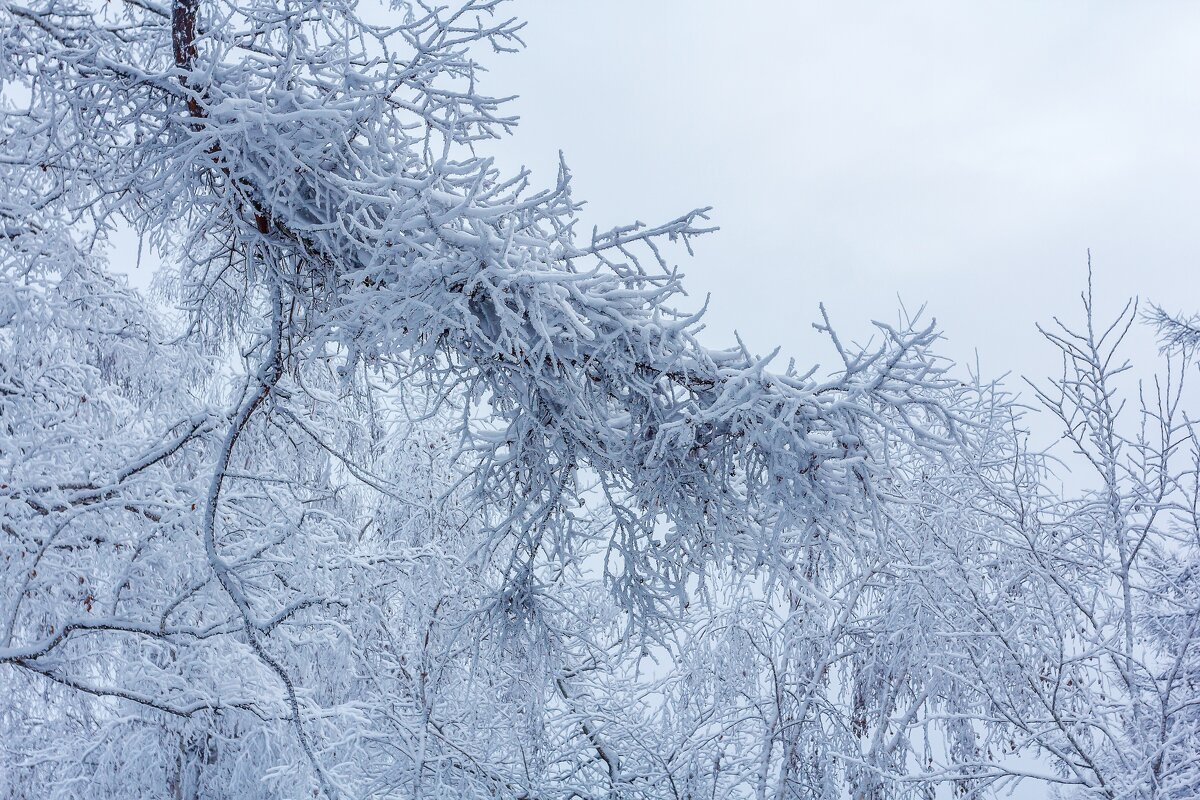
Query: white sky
960, 154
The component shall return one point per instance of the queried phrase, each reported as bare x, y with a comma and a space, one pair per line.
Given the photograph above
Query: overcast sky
964, 155
959, 154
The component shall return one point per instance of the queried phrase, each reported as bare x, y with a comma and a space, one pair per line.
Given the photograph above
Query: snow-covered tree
402, 487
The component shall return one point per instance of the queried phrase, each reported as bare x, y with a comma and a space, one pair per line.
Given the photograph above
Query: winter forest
401, 483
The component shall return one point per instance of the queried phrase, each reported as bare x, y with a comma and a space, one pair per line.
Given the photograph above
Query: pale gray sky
960, 154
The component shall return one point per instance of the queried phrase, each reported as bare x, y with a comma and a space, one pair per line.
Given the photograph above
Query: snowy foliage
402, 487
